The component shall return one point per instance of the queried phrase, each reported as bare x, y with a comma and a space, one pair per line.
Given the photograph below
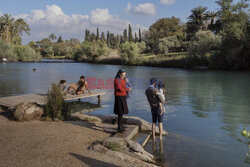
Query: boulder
114, 141
28, 111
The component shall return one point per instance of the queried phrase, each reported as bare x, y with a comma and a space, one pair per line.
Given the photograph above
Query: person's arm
86, 85
159, 97
119, 87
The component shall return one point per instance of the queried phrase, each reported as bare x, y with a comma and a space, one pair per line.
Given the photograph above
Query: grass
114, 146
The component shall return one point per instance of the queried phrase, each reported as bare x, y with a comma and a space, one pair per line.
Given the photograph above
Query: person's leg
72, 86
160, 119
120, 129
160, 129
153, 131
154, 120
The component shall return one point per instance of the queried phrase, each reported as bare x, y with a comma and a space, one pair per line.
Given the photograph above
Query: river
206, 110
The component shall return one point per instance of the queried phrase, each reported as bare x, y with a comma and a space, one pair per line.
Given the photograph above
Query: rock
84, 117
114, 141
28, 111
139, 151
135, 146
100, 148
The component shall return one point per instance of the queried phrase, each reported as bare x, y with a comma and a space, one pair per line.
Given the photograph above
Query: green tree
233, 24
103, 36
129, 52
140, 38
11, 30
59, 40
130, 34
164, 27
197, 19
97, 34
52, 37
168, 43
91, 51
108, 39
204, 42
87, 35
136, 38
92, 37
125, 35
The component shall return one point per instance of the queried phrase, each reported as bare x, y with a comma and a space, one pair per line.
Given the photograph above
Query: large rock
28, 111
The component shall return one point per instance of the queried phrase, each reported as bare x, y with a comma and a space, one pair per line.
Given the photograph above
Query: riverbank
41, 143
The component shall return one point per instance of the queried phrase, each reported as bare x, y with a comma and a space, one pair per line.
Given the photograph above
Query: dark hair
153, 81
82, 77
119, 72
62, 82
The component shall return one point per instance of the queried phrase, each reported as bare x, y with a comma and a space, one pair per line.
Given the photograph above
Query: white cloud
54, 20
142, 9
167, 2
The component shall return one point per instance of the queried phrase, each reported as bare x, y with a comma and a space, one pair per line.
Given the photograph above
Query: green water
206, 110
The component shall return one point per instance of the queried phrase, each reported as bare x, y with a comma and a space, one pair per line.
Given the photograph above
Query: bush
91, 51
167, 43
129, 51
204, 42
56, 107
6, 51
25, 53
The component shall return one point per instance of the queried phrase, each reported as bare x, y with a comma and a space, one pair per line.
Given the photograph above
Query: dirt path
40, 143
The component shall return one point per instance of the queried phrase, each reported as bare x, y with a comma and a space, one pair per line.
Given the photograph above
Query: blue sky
70, 18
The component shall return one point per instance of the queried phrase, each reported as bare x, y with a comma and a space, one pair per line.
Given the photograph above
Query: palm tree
52, 37
6, 23
198, 17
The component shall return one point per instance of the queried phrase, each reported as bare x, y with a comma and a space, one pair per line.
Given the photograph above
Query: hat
153, 81
121, 71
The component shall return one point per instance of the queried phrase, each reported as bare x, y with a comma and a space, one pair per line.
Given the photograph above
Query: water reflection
208, 108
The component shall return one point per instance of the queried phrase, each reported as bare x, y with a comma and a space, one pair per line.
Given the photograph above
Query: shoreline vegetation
216, 40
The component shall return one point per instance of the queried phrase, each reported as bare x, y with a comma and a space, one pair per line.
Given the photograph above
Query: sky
70, 18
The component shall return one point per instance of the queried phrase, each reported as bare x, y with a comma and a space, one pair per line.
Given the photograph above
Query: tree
130, 34
87, 35
136, 38
125, 35
52, 37
198, 17
11, 30
97, 34
108, 39
164, 27
59, 40
129, 52
140, 38
103, 36
92, 37
91, 51
233, 24
168, 43
204, 42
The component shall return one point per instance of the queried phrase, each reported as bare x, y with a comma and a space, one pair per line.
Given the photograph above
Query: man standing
154, 100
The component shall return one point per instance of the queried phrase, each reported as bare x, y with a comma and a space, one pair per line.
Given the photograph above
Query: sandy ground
41, 143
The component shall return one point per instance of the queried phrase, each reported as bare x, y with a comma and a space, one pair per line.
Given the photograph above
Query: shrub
129, 51
56, 107
25, 53
204, 42
167, 43
6, 51
91, 51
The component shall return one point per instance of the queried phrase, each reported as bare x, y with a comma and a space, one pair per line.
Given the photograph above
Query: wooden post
99, 99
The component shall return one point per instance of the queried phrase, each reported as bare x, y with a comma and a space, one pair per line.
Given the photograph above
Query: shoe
121, 130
